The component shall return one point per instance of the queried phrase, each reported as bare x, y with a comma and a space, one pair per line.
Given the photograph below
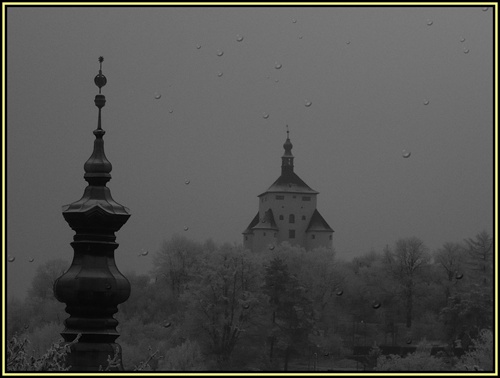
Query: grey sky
366, 70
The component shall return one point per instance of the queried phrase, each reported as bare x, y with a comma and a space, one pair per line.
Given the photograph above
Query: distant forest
210, 307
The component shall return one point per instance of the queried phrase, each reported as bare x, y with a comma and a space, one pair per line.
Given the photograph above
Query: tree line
211, 307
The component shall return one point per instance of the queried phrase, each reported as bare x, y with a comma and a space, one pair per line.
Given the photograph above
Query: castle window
291, 218
264, 234
303, 217
291, 234
306, 198
281, 217
246, 237
275, 234
280, 197
331, 237
294, 196
313, 236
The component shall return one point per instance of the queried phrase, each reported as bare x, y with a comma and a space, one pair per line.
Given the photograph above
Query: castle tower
287, 212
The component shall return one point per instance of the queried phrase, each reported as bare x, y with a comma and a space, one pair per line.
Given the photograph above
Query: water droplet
187, 182
26, 326
408, 341
426, 102
239, 38
157, 96
406, 154
108, 286
220, 52
277, 65
11, 258
462, 39
198, 47
167, 324
170, 111
276, 80
263, 220
485, 9
308, 103
265, 116
459, 276
301, 36
31, 259
376, 305
348, 42
246, 306
219, 74
466, 51
186, 228
339, 292
429, 22
271, 247
144, 253
294, 20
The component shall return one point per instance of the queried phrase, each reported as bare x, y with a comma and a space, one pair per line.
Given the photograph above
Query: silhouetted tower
92, 287
287, 212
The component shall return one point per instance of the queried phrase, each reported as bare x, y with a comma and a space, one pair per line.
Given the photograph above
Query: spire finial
100, 80
287, 132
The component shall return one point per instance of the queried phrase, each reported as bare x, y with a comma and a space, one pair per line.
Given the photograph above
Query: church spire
287, 158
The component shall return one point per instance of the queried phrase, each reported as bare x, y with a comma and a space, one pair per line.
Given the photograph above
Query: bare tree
405, 263
451, 257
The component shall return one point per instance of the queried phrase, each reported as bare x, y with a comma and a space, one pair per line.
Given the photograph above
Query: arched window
291, 218
281, 217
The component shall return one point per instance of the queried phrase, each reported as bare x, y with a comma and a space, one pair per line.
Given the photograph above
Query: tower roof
318, 223
288, 181
265, 223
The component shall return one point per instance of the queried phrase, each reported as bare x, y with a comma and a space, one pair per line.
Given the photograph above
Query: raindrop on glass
108, 286
466, 51
459, 276
301, 36
220, 52
308, 103
167, 324
348, 42
198, 47
429, 22
339, 292
462, 39
408, 341
265, 116
271, 247
144, 253
219, 73
170, 111
31, 259
426, 102
406, 154
239, 38
26, 326
157, 96
276, 80
187, 182
186, 228
376, 305
246, 306
11, 259
277, 65
485, 9
294, 20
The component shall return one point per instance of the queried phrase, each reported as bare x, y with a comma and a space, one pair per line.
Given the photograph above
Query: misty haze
291, 189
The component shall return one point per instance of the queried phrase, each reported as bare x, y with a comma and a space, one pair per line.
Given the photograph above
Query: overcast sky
380, 80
